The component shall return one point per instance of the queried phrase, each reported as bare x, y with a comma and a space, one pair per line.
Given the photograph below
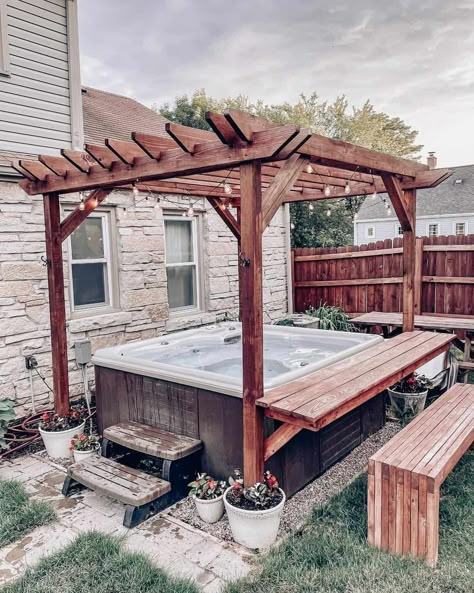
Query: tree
363, 125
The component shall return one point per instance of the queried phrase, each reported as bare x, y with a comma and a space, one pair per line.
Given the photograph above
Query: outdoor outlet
31, 362
83, 352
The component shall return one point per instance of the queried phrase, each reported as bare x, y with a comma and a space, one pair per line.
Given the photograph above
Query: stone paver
178, 548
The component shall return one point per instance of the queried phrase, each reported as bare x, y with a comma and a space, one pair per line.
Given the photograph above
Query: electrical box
83, 352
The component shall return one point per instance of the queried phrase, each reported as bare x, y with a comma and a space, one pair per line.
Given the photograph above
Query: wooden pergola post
251, 310
409, 260
57, 312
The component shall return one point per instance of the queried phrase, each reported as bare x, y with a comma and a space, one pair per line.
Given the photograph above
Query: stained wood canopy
304, 166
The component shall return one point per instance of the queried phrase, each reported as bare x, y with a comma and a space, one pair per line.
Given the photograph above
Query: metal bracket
244, 261
46, 261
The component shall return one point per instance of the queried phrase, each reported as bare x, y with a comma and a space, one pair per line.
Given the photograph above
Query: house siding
143, 311
35, 102
386, 229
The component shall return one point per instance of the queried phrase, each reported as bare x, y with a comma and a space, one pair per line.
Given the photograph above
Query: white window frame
109, 260
4, 51
398, 228
466, 230
196, 229
367, 234
428, 224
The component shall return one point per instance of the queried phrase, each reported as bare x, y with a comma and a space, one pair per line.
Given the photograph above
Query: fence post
418, 288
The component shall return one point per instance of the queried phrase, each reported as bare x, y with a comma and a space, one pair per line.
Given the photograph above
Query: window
370, 232
398, 230
90, 264
433, 230
182, 266
459, 228
4, 59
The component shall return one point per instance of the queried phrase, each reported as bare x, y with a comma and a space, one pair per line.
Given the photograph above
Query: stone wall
142, 311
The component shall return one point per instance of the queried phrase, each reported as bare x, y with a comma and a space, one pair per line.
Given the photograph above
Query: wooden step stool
179, 454
144, 495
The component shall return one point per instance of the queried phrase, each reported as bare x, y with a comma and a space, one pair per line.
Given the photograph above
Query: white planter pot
57, 443
254, 529
81, 455
210, 511
407, 405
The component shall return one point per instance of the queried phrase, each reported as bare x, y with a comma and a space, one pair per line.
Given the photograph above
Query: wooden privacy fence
369, 277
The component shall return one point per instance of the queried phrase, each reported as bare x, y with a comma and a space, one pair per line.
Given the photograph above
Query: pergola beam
226, 216
397, 197
77, 216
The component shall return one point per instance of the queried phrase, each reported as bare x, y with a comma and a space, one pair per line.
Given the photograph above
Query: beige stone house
142, 264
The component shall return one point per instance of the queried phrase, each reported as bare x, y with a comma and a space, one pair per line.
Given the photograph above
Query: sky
412, 58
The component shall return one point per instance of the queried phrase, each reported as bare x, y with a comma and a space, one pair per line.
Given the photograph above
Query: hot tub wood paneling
216, 419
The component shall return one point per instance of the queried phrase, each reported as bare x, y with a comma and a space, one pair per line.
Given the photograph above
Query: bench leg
106, 447
70, 486
134, 515
432, 527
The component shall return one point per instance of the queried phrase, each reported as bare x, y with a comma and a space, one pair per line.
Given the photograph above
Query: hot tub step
144, 495
151, 440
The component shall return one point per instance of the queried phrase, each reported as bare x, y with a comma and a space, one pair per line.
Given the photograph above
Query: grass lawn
18, 514
97, 563
331, 554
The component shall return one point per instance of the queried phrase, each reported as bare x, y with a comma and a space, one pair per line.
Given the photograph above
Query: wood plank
57, 165
247, 125
348, 254
80, 160
409, 255
432, 248
189, 138
223, 129
225, 215
251, 309
449, 279
278, 439
152, 145
102, 155
57, 311
127, 152
350, 282
422, 321
77, 216
400, 204
36, 169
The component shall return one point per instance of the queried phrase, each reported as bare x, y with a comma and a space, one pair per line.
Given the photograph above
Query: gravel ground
318, 491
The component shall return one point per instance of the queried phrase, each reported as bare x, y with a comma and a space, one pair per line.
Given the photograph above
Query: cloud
412, 58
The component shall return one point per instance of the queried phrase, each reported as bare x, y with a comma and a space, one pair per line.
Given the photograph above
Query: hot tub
211, 357
182, 382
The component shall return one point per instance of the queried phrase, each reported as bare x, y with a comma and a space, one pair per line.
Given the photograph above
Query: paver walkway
178, 548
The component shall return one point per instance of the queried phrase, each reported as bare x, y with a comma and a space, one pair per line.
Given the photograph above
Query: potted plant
208, 495
255, 512
408, 396
84, 446
57, 431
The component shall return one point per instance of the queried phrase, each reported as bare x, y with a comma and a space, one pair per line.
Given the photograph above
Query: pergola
266, 165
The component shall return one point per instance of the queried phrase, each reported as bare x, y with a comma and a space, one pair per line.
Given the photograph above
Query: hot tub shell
186, 401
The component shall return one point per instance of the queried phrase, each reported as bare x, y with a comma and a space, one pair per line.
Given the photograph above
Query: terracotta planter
57, 443
254, 529
210, 511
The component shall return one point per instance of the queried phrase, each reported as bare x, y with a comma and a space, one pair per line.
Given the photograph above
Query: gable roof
107, 115
453, 196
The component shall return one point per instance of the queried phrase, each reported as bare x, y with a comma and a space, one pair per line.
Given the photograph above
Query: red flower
82, 437
411, 380
45, 416
74, 414
236, 486
73, 441
211, 484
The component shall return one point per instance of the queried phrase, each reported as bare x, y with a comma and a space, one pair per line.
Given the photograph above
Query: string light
190, 211
309, 168
374, 195
327, 190
227, 189
81, 204
328, 212
292, 226
347, 188
311, 207
356, 216
94, 202
124, 212
389, 211
135, 191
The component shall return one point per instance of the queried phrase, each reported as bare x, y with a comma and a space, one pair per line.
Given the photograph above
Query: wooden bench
406, 474
143, 494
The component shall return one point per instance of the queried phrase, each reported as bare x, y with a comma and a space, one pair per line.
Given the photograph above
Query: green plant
333, 318
205, 487
260, 496
84, 442
413, 384
6, 415
51, 422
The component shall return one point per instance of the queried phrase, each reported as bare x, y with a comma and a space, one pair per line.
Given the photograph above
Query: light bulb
328, 212
327, 190
183, 214
93, 202
311, 207
81, 204
374, 195
347, 188
356, 216
227, 188
389, 211
309, 168
157, 205
190, 211
223, 206
292, 226
124, 212
135, 191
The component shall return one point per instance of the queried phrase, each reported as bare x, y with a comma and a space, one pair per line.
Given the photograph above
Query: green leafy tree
363, 125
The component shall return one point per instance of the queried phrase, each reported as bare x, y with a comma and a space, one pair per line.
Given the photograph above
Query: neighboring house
444, 210
134, 268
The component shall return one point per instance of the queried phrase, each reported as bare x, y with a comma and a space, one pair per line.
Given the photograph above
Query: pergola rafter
264, 165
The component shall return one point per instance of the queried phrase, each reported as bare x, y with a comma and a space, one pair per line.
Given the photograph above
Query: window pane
460, 228
87, 240
179, 241
88, 282
181, 286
